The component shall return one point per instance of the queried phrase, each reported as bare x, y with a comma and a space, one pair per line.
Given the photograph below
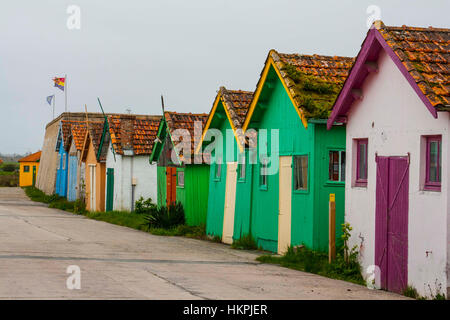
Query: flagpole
54, 97
65, 90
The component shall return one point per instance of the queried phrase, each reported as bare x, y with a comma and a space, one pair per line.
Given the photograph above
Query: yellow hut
28, 170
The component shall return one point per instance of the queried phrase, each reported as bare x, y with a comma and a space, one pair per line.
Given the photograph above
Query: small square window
26, 168
433, 174
361, 161
180, 178
336, 166
301, 172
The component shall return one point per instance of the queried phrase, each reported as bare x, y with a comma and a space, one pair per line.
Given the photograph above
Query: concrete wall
46, 177
393, 118
126, 168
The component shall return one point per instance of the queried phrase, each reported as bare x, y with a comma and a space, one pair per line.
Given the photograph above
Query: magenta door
391, 222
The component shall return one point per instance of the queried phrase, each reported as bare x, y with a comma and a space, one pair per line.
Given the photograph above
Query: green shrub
79, 207
165, 217
246, 242
411, 292
10, 167
144, 206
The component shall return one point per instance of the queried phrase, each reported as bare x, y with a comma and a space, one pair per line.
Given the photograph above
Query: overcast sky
130, 52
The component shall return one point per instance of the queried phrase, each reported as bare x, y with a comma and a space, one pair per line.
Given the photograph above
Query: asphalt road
38, 244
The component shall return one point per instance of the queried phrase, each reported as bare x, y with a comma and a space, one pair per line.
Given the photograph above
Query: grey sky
128, 53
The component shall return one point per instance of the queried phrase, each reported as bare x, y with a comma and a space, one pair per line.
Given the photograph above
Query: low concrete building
129, 175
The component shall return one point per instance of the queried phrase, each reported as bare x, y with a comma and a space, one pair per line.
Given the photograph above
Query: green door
34, 175
109, 189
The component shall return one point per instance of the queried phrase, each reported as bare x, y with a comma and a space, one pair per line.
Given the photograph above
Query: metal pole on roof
107, 129
162, 103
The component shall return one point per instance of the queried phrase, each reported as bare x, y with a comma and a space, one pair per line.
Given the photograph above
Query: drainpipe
133, 183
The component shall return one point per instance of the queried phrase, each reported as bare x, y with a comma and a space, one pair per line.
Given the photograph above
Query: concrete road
37, 244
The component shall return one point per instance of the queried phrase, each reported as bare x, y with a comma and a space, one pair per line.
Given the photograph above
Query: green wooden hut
227, 116
181, 177
294, 95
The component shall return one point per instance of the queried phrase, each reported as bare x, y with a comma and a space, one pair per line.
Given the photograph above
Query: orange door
171, 176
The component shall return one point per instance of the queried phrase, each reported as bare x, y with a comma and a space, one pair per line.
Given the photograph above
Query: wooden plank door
391, 222
171, 179
284, 207
92, 204
73, 169
109, 189
230, 202
34, 176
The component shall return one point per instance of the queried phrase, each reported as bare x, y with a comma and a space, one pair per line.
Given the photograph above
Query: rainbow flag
60, 83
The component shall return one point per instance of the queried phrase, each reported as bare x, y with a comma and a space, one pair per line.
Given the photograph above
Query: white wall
393, 118
126, 168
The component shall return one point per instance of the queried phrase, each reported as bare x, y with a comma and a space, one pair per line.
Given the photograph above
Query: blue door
61, 174
72, 185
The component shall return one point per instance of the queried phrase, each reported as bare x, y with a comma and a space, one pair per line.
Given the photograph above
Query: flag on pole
49, 99
60, 83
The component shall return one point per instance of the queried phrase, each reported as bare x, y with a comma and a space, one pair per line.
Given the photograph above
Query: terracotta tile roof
95, 130
142, 131
425, 52
78, 133
34, 157
237, 103
187, 121
74, 129
313, 81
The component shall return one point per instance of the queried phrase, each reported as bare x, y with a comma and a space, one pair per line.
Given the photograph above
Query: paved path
37, 244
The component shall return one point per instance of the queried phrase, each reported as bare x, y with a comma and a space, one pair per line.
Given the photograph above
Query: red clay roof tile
425, 52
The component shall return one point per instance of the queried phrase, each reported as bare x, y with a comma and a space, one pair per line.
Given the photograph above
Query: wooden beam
371, 66
357, 94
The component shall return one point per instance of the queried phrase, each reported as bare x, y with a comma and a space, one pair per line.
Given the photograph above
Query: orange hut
93, 154
29, 166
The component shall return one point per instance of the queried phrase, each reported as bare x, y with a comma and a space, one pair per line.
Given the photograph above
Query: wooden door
109, 189
171, 180
391, 222
92, 204
230, 201
72, 185
284, 207
34, 175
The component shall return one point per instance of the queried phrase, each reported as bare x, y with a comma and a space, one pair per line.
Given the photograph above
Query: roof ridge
314, 55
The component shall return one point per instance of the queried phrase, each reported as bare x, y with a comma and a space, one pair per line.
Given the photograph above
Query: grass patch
195, 232
246, 242
411, 292
134, 220
304, 259
120, 218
